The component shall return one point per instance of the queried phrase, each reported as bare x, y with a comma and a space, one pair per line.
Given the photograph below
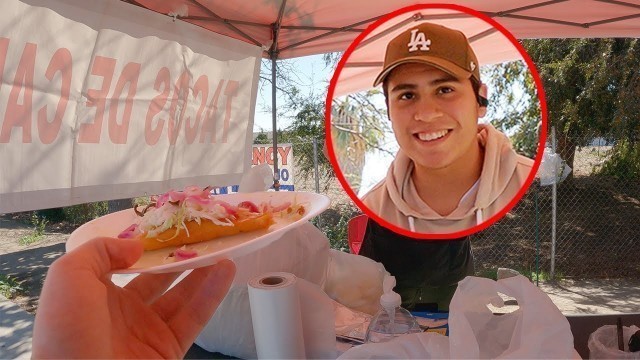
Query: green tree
357, 127
591, 88
307, 126
261, 138
514, 112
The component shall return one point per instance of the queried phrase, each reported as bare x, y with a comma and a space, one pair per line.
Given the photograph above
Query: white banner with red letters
105, 100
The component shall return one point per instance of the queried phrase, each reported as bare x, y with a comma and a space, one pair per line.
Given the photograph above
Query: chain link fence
597, 213
597, 218
333, 221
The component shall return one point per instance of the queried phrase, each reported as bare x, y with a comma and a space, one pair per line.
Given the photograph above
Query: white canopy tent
293, 28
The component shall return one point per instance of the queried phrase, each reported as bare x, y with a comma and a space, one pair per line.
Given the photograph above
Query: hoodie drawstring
479, 218
412, 226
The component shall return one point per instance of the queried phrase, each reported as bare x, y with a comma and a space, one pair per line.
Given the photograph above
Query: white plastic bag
537, 329
257, 178
354, 281
603, 343
552, 168
426, 345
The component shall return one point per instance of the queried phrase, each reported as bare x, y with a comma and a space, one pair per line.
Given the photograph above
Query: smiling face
434, 116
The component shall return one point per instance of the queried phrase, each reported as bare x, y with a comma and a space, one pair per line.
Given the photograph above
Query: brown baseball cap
435, 45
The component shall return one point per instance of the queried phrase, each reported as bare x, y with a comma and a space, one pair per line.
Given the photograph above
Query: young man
450, 173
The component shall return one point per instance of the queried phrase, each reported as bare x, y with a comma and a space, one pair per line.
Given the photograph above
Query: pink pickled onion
194, 191
184, 254
176, 196
190, 192
161, 199
130, 232
250, 206
197, 200
230, 208
171, 196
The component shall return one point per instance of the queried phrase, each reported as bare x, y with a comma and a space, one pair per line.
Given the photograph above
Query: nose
427, 110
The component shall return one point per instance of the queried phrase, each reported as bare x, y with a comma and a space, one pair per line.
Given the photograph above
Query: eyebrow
435, 82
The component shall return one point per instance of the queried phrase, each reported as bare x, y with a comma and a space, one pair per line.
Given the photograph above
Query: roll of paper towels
276, 316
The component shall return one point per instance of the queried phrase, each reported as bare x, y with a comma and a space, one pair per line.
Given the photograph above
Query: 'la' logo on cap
418, 39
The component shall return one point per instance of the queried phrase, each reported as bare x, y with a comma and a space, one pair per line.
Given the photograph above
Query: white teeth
433, 135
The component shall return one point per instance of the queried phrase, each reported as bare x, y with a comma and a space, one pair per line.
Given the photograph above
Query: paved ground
15, 331
596, 296
29, 267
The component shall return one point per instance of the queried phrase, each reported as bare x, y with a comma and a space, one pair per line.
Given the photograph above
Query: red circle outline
541, 138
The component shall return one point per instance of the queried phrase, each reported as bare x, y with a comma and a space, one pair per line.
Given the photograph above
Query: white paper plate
209, 252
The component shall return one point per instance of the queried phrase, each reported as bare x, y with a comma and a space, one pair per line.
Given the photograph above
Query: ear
482, 110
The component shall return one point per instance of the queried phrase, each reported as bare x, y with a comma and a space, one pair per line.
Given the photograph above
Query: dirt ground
597, 226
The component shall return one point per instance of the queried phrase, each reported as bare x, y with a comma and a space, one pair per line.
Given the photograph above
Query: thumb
103, 255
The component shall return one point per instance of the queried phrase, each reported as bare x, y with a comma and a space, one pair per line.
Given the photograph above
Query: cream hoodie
504, 172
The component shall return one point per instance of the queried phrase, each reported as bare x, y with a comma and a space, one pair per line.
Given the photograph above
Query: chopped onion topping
175, 208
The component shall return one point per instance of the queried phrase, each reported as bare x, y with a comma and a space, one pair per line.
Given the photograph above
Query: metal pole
276, 172
273, 55
537, 240
554, 188
315, 164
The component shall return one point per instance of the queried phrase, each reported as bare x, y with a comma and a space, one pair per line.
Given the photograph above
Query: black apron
427, 271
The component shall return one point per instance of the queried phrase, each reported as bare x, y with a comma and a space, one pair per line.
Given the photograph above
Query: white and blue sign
262, 154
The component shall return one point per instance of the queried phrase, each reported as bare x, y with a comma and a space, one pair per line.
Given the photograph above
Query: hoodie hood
499, 166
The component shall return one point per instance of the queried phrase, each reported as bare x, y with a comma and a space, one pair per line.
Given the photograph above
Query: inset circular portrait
436, 121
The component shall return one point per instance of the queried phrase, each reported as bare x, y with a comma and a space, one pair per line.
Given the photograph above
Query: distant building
600, 141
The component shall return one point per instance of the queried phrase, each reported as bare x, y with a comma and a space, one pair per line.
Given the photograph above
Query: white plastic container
392, 320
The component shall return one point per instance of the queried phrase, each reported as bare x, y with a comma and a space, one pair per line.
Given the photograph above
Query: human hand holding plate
82, 314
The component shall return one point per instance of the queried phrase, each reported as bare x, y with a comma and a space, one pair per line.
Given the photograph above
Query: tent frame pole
226, 23
276, 171
337, 30
273, 55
